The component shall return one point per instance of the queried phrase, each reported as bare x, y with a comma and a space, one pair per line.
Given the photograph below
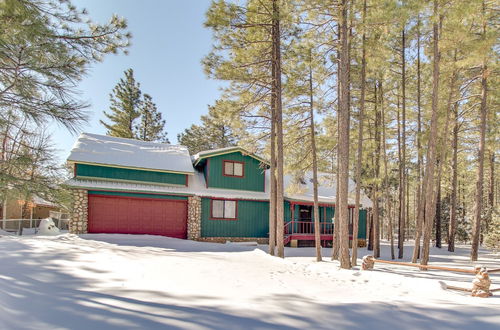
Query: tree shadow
36, 292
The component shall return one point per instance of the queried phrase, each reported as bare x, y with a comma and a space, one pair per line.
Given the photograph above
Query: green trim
129, 181
230, 151
129, 167
130, 194
128, 175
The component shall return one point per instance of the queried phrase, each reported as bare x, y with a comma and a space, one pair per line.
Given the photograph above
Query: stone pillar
194, 218
79, 214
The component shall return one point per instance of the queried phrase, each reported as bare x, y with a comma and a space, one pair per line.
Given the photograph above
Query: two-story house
136, 187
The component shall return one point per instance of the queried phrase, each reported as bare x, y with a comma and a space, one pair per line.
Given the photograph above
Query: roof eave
199, 158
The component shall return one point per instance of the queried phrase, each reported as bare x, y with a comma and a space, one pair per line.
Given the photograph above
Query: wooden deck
304, 231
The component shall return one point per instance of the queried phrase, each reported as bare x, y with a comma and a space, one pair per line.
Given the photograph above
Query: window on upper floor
234, 169
224, 209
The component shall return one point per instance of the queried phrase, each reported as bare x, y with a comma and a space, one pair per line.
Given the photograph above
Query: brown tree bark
272, 201
418, 222
452, 229
276, 62
317, 228
429, 176
478, 200
402, 161
343, 143
355, 224
438, 215
386, 178
369, 230
375, 191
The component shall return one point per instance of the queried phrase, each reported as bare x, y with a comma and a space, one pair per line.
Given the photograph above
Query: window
224, 209
232, 168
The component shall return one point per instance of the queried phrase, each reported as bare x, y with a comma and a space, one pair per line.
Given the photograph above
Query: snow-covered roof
109, 150
39, 201
327, 188
222, 151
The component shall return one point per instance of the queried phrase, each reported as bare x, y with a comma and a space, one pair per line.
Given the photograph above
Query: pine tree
492, 237
46, 47
343, 149
126, 103
214, 132
151, 126
247, 52
430, 169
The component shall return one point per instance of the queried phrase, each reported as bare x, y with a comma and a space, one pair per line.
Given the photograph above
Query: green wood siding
362, 224
115, 173
253, 178
252, 221
287, 211
129, 194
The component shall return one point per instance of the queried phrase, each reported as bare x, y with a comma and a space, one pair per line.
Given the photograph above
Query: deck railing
307, 227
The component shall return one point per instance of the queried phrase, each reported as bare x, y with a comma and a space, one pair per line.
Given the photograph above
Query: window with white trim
232, 168
223, 209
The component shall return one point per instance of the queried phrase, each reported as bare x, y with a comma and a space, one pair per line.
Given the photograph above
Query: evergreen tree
151, 126
27, 163
46, 47
126, 103
213, 133
492, 237
247, 52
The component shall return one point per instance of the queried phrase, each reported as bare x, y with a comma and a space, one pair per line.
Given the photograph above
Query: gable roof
228, 150
327, 189
129, 153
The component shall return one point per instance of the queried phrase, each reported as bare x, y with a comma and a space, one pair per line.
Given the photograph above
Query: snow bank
5, 233
47, 227
152, 282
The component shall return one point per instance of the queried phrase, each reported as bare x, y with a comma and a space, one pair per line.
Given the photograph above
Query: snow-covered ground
124, 281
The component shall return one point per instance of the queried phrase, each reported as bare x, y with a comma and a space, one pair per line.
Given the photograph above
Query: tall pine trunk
428, 189
355, 224
343, 143
452, 229
438, 214
402, 163
375, 192
478, 200
386, 179
418, 218
317, 227
276, 63
272, 201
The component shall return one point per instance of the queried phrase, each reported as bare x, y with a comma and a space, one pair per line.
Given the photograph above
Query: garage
133, 215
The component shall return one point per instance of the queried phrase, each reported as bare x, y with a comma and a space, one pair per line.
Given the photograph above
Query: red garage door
130, 215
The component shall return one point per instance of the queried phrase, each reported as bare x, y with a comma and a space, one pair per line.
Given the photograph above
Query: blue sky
168, 44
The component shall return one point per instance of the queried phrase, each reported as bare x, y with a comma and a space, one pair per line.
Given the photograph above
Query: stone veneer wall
194, 218
79, 214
